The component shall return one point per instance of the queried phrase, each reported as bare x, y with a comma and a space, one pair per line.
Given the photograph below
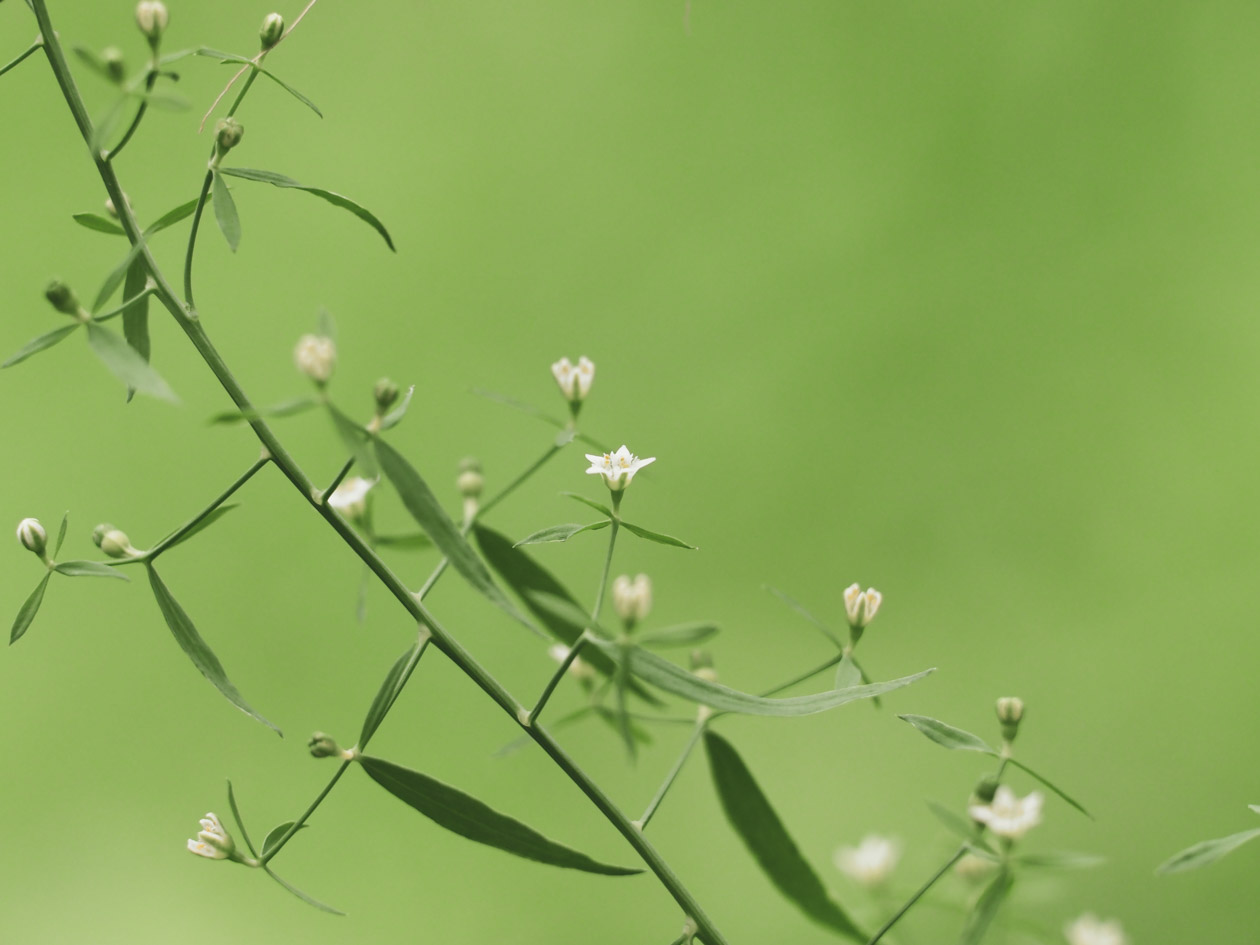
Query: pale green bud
227, 135
1010, 710
323, 746
32, 536
470, 481
111, 541
271, 31
61, 297
112, 57
386, 394
151, 17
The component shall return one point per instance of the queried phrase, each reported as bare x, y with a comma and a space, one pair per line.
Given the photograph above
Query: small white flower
213, 842
316, 356
632, 597
579, 668
1089, 930
617, 468
32, 535
350, 498
574, 380
974, 868
870, 862
1007, 815
861, 606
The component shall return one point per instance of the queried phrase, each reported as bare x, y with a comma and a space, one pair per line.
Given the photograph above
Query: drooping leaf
94, 221
387, 694
225, 213
61, 533
947, 735
1206, 852
88, 569
986, 907
429, 515
557, 533
395, 416
29, 609
36, 345
355, 439
337, 200
686, 634
136, 315
590, 503
664, 674
412, 542
276, 833
657, 536
754, 819
126, 364
1057, 790
286, 409
196, 648
95, 63
1060, 860
465, 815
201, 526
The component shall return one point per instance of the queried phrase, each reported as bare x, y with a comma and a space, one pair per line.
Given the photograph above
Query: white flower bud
213, 842
1090, 930
574, 380
350, 498
316, 356
617, 468
870, 862
470, 481
1010, 709
861, 606
151, 17
579, 669
112, 542
32, 536
271, 31
632, 598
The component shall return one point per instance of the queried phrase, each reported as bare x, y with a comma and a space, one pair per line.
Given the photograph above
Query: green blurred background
953, 299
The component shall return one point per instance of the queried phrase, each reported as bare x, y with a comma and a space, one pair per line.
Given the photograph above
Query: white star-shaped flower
617, 468
1007, 815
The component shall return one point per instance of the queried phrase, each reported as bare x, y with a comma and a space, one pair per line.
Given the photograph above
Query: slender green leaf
61, 533
309, 900
557, 533
94, 221
562, 439
1060, 860
355, 438
88, 569
686, 634
196, 648
201, 526
412, 542
657, 537
986, 908
279, 180
947, 736
116, 276
232, 58
429, 515
136, 315
276, 833
1206, 853
954, 823
1057, 790
35, 345
240, 821
602, 509
470, 818
754, 819
225, 213
126, 364
671, 678
96, 64
171, 217
804, 612
29, 609
395, 416
286, 409
386, 695
621, 724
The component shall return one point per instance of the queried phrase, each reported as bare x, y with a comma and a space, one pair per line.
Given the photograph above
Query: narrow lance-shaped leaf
947, 735
233, 58
196, 648
1206, 852
171, 217
590, 503
309, 900
387, 694
847, 673
807, 614
465, 815
126, 364
116, 276
754, 819
395, 416
337, 200
547, 418
94, 221
429, 515
986, 908
354, 437
287, 408
61, 533
36, 345
412, 542
29, 609
1057, 790
656, 536
88, 569
1060, 860
687, 634
136, 315
660, 672
225, 213
557, 533
273, 837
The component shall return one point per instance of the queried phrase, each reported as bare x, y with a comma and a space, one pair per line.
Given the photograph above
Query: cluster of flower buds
112, 542
271, 31
350, 497
1010, 710
632, 598
152, 18
574, 380
1008, 816
869, 863
32, 536
316, 356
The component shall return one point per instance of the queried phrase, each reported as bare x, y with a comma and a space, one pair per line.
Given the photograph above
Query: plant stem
149, 80
122, 308
556, 677
297, 824
196, 519
192, 238
958, 855
603, 581
332, 486
804, 676
191, 325
672, 776
511, 487
34, 48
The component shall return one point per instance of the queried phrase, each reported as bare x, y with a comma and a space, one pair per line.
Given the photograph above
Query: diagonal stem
200, 516
672, 776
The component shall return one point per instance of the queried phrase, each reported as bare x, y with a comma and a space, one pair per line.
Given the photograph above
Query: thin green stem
249, 80
519, 480
603, 581
192, 237
556, 677
196, 520
442, 639
672, 776
803, 676
32, 50
113, 312
149, 80
958, 855
297, 824
332, 486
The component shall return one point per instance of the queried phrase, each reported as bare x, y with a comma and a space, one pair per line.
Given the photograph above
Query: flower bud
61, 297
271, 31
227, 135
386, 394
316, 356
151, 17
1010, 710
470, 481
112, 542
574, 379
213, 842
32, 536
112, 57
985, 788
323, 746
632, 598
861, 606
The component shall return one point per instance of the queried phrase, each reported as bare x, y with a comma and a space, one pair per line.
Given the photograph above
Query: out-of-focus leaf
986, 907
35, 345
947, 735
286, 409
126, 364
337, 200
196, 648
621, 726
557, 533
61, 533
566, 436
602, 509
94, 221
136, 315
309, 900
29, 609
116, 276
465, 815
88, 569
687, 634
1206, 853
225, 213
395, 416
750, 813
657, 536
954, 823
621, 686
1060, 860
847, 673
355, 438
804, 612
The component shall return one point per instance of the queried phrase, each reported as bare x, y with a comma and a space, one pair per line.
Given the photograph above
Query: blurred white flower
861, 606
974, 868
1007, 815
151, 17
1090, 930
213, 842
315, 356
574, 380
632, 597
617, 468
350, 498
870, 862
579, 668
1010, 709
